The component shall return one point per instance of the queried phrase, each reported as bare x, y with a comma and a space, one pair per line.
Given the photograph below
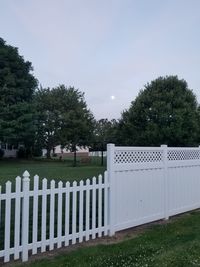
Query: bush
1, 153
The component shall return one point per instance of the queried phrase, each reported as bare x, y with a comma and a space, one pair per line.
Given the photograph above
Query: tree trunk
48, 153
74, 156
102, 155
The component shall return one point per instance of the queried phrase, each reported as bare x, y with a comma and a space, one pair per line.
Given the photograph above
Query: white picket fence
141, 185
40, 219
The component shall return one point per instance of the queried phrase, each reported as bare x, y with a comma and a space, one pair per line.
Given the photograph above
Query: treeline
164, 112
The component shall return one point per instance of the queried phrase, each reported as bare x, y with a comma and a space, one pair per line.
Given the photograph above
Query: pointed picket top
18, 179
52, 183
26, 176
36, 177
94, 179
67, 184
60, 184
18, 182
44, 182
8, 183
74, 183
8, 186
87, 181
100, 178
81, 182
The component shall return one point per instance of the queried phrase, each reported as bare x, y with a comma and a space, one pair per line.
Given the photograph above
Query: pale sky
108, 49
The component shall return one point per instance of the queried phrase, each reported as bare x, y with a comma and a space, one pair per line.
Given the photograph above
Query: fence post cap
110, 145
26, 175
163, 145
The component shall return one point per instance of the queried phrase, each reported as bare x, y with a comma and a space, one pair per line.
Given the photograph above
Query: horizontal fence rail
41, 215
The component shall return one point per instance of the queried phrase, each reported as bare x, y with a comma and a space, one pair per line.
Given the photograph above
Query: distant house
59, 152
10, 151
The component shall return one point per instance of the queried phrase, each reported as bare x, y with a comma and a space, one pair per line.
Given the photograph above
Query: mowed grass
64, 171
175, 244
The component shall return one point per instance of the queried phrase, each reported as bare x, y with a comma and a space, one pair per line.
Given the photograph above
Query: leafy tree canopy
63, 118
17, 86
165, 112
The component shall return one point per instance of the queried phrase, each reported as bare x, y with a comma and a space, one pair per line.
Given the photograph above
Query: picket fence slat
87, 220
74, 210
81, 212
106, 203
67, 213
35, 213
94, 208
17, 216
52, 214
25, 215
59, 219
44, 214
7, 222
100, 207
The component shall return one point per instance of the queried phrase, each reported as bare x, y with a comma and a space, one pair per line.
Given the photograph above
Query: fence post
25, 215
166, 182
111, 178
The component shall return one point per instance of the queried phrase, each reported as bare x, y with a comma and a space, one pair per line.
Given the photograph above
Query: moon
112, 97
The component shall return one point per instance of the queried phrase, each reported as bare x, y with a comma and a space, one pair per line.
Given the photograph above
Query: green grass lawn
51, 170
175, 244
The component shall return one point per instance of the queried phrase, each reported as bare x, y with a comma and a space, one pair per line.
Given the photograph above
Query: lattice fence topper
183, 154
137, 156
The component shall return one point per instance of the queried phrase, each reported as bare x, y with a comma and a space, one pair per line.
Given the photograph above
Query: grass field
175, 244
51, 170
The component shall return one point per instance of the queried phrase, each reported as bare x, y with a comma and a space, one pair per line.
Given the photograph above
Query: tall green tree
17, 87
165, 112
64, 118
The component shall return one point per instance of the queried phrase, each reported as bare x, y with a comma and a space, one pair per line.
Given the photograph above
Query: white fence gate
141, 184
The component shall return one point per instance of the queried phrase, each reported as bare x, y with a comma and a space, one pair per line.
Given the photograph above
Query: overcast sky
106, 47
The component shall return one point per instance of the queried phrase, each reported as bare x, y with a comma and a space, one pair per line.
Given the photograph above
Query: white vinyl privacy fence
141, 184
152, 183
